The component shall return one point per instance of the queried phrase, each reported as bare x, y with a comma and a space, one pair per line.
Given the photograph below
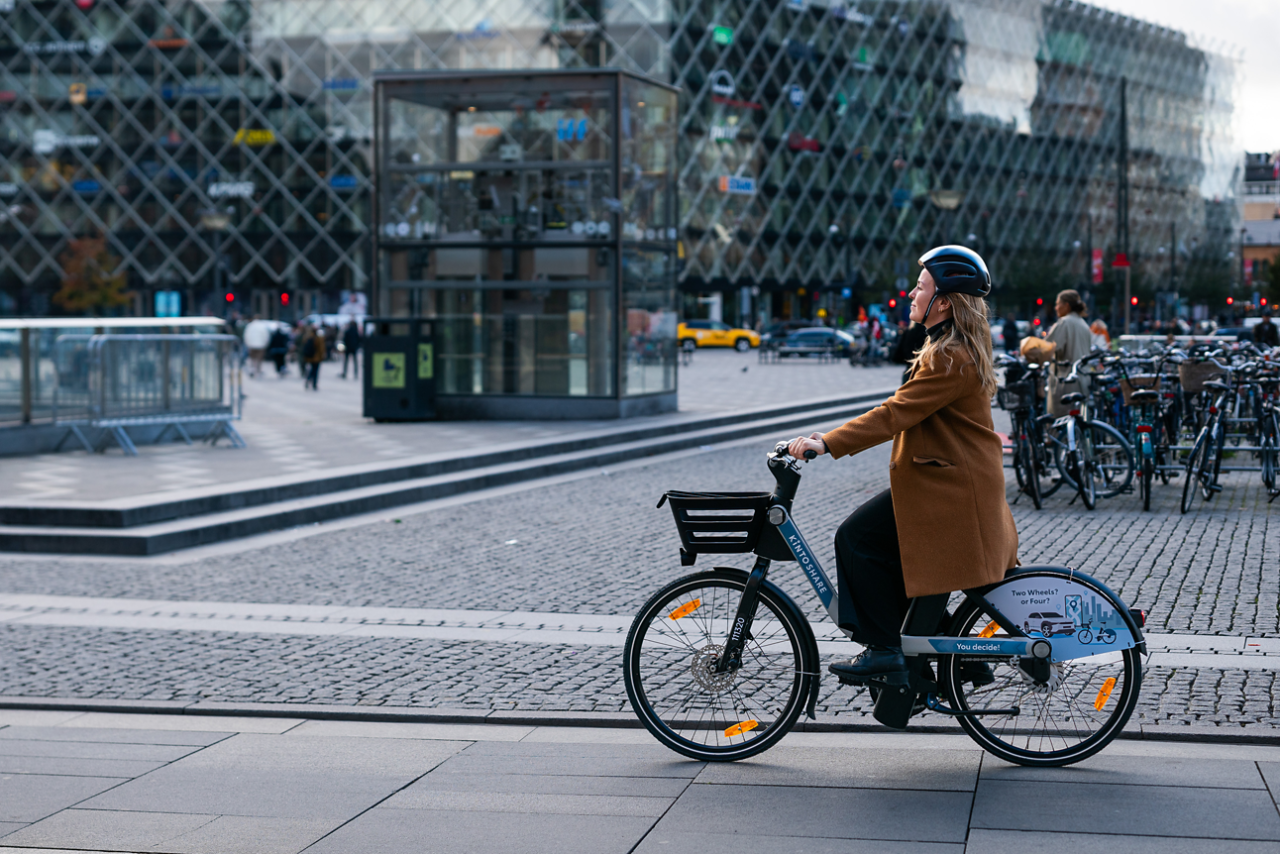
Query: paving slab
643, 787
870, 768
663, 841
7, 827
185, 723
904, 815
1020, 842
388, 831
386, 729
35, 717
90, 751
528, 802
1127, 810
572, 766
31, 797
87, 828
1122, 770
77, 767
274, 776
113, 735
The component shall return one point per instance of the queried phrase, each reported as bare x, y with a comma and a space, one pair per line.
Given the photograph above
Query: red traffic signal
902, 293
1230, 301
231, 297
1262, 301
1039, 301
893, 303
284, 299
1035, 321
1133, 300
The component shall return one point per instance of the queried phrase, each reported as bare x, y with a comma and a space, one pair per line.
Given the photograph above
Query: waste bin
399, 369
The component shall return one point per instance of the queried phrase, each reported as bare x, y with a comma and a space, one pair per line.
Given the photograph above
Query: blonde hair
969, 330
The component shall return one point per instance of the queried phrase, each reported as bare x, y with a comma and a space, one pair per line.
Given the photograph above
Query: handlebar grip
810, 455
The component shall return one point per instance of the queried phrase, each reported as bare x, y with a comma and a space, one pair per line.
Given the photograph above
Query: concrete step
189, 531
142, 510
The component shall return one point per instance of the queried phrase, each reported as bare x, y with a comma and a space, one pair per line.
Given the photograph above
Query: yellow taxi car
715, 333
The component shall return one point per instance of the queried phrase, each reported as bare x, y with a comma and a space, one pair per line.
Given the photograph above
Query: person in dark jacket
911, 340
351, 349
1265, 334
278, 349
1010, 333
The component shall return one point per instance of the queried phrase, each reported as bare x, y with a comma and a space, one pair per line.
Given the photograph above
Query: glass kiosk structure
532, 216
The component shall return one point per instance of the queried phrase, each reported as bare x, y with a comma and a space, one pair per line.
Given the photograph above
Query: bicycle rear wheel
1270, 453
1076, 714
1024, 466
670, 675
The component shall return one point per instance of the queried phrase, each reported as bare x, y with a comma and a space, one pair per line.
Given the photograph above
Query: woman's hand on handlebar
797, 447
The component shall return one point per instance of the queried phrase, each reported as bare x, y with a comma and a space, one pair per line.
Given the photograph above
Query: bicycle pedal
1214, 487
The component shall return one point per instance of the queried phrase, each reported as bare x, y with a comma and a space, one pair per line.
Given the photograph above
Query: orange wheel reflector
686, 609
1105, 693
747, 726
990, 630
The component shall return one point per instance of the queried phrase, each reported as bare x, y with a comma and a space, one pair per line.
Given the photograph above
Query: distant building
1261, 226
223, 147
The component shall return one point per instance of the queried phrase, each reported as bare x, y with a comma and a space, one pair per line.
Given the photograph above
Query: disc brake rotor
1056, 672
704, 670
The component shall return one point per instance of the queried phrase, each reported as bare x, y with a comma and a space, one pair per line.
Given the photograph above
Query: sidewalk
112, 782
292, 432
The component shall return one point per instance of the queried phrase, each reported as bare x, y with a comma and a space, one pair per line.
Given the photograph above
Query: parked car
778, 331
817, 341
715, 333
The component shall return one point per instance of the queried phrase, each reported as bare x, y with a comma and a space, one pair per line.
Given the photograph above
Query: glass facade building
225, 146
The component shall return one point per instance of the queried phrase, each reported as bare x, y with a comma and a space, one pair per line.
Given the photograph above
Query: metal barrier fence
111, 382
28, 374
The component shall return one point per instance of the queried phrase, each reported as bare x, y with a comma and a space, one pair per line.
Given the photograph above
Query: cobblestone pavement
292, 432
597, 545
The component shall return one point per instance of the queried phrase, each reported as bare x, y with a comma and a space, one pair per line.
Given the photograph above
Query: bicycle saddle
1217, 384
1144, 396
1074, 397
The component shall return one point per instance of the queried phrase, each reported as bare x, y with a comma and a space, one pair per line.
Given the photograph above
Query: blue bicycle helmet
956, 270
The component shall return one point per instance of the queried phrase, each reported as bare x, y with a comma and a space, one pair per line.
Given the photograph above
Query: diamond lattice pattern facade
227, 144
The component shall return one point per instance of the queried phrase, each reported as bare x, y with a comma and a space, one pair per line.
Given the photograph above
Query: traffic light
1035, 321
1133, 300
902, 293
893, 303
284, 299
231, 297
1262, 301
1230, 301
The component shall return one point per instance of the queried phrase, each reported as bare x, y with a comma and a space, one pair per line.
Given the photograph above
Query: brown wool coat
946, 477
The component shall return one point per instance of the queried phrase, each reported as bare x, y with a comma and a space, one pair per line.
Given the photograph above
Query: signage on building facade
48, 141
1097, 266
796, 95
722, 83
568, 130
342, 84
8, 189
86, 188
343, 182
725, 133
735, 186
93, 46
799, 142
168, 304
254, 137
722, 36
232, 190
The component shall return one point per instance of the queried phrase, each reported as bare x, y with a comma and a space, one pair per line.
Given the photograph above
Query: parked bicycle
719, 665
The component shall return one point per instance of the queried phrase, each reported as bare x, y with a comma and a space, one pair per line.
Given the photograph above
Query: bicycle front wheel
1084, 704
671, 679
1024, 467
1195, 463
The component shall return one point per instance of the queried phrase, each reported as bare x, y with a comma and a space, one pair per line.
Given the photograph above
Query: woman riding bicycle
944, 524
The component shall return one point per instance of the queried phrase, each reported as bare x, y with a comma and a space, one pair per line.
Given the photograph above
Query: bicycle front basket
1019, 395
1193, 375
1137, 382
718, 522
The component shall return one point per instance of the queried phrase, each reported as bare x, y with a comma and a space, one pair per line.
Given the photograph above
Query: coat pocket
933, 461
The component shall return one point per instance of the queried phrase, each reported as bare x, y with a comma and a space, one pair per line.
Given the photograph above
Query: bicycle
1031, 464
719, 665
1092, 456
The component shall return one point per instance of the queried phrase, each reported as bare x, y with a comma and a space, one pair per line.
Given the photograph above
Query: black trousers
871, 592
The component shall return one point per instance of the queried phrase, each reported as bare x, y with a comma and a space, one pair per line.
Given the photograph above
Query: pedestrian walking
351, 349
278, 350
1010, 333
257, 337
1101, 337
311, 353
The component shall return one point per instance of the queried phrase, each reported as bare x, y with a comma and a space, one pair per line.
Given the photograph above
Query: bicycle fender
813, 676
1084, 611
